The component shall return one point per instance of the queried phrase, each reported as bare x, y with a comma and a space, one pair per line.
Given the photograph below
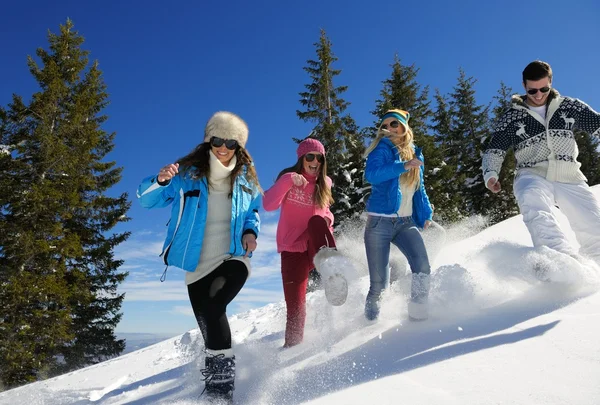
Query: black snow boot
219, 376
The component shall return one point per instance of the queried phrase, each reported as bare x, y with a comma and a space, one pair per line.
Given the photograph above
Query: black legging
211, 295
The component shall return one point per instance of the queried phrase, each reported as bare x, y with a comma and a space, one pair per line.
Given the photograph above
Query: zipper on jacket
189, 237
165, 253
236, 196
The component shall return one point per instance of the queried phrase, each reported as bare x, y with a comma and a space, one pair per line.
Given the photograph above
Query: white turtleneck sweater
217, 231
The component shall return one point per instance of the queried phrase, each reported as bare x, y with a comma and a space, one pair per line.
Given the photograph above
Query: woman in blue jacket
215, 196
397, 207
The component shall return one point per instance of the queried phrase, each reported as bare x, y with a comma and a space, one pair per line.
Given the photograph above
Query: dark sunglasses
393, 124
545, 89
217, 142
311, 156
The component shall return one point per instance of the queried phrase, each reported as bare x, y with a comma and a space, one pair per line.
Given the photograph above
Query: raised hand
299, 180
168, 172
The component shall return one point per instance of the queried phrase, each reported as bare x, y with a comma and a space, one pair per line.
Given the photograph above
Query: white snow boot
418, 306
328, 262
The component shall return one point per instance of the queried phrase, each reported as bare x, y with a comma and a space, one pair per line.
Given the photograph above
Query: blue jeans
380, 233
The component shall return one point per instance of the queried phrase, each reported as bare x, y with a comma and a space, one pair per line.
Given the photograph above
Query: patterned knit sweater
545, 147
297, 207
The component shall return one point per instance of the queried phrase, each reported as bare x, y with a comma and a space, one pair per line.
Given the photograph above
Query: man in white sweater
540, 126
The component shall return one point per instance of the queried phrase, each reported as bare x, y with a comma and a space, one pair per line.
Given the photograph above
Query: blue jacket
188, 216
383, 170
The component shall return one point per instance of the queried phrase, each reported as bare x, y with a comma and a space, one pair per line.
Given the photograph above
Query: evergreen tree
470, 125
324, 106
58, 276
447, 183
589, 156
502, 205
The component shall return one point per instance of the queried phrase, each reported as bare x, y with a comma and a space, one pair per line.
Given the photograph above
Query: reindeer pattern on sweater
544, 146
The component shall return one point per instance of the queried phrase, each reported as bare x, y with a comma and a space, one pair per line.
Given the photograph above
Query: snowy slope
497, 335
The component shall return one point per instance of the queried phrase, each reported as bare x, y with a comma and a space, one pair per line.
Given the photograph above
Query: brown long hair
197, 163
322, 194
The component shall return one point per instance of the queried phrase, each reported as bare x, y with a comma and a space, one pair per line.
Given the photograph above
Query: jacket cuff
163, 183
489, 175
250, 231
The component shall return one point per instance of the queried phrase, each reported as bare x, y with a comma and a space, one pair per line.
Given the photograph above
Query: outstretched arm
276, 194
158, 191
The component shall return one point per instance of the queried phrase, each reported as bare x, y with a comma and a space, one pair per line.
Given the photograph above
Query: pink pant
295, 267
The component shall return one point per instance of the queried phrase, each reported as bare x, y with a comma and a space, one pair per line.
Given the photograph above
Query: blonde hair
406, 149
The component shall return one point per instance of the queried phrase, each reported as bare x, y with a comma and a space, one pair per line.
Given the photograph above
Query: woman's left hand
412, 164
427, 223
249, 243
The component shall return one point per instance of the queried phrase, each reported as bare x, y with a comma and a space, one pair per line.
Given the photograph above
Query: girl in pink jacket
303, 192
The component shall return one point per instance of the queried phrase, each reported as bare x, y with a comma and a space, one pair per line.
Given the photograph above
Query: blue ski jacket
383, 169
189, 197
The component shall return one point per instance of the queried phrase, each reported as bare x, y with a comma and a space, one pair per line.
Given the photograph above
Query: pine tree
343, 141
403, 91
502, 205
58, 277
470, 125
447, 196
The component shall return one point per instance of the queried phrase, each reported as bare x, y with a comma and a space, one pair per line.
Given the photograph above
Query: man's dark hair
537, 70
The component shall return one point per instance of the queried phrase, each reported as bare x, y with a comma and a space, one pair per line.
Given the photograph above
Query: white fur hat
226, 125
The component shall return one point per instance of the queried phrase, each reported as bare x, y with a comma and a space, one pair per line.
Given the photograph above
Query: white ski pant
536, 196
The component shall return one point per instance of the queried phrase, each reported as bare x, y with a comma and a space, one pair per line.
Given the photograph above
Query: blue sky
170, 65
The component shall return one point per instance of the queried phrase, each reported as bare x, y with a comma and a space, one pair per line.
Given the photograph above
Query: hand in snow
494, 185
412, 163
299, 180
427, 223
249, 243
168, 172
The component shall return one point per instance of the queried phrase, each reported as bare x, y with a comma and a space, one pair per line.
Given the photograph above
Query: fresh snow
496, 335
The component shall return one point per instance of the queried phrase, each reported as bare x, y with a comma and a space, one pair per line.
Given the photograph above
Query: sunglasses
393, 124
230, 144
311, 156
545, 89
